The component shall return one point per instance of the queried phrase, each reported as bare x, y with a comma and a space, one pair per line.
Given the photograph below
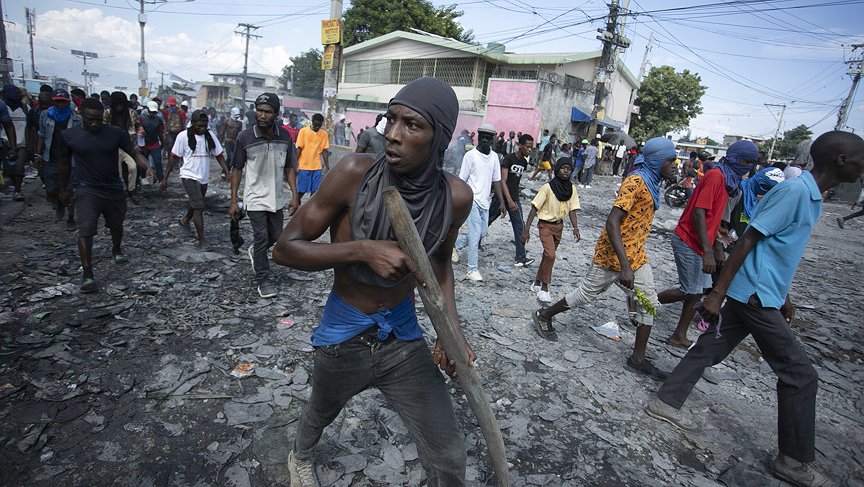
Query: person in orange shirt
312, 145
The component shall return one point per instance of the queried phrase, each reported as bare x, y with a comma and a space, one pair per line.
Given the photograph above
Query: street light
87, 76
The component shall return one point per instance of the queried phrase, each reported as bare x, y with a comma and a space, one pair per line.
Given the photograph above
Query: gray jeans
266, 228
404, 373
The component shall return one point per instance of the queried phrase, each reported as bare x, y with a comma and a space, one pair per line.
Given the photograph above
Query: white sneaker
302, 472
544, 296
581, 186
535, 288
588, 187
474, 276
454, 257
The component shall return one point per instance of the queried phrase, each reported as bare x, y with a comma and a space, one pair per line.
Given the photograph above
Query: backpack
174, 122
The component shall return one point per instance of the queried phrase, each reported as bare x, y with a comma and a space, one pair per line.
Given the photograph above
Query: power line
247, 35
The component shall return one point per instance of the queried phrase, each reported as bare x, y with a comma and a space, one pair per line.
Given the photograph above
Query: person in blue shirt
755, 282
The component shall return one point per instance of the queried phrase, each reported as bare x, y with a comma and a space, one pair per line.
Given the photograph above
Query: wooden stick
447, 330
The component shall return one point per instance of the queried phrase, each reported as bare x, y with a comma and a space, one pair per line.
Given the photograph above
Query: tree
667, 102
308, 75
786, 146
710, 141
367, 19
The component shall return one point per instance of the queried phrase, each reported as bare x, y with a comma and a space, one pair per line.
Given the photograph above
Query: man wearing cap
52, 122
175, 122
339, 131
154, 137
312, 145
266, 153
481, 170
369, 335
100, 188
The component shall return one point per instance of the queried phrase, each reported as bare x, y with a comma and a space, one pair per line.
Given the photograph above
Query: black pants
797, 380
266, 228
616, 166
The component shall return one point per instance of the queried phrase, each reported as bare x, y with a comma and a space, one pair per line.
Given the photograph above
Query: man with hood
481, 169
229, 132
755, 284
372, 141
52, 121
696, 250
121, 115
368, 335
620, 257
154, 138
13, 116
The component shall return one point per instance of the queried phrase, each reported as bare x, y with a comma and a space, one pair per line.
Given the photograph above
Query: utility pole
161, 89
31, 31
247, 35
331, 75
608, 61
640, 77
855, 72
87, 75
779, 126
5, 62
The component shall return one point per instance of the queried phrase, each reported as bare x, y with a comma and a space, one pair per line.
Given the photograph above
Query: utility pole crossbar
247, 34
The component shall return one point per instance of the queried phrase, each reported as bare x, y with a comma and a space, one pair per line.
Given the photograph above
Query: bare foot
677, 342
202, 244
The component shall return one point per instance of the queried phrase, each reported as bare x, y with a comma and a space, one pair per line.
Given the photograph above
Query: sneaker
799, 473
120, 259
454, 257
647, 368
544, 296
535, 288
662, 411
302, 472
474, 276
267, 290
524, 263
17, 196
88, 285
588, 187
544, 327
251, 253
581, 185
840, 222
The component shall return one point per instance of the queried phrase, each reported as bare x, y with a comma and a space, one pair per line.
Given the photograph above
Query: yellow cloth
313, 144
545, 165
549, 208
635, 199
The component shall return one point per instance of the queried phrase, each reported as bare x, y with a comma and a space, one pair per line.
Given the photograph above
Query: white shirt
196, 165
19, 121
480, 171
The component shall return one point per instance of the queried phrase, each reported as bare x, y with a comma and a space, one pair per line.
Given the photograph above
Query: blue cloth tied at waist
341, 322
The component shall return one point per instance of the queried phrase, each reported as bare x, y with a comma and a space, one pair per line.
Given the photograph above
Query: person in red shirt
693, 243
292, 127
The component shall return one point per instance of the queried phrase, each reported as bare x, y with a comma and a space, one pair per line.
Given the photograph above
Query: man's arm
142, 163
291, 177
64, 169
727, 273
526, 232
496, 186
297, 247
708, 263
613, 230
236, 176
326, 155
172, 161
10, 134
575, 223
508, 199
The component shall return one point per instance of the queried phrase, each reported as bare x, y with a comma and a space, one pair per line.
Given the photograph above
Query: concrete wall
511, 106
619, 98
555, 102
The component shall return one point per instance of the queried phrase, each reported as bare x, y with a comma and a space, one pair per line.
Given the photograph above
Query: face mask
484, 143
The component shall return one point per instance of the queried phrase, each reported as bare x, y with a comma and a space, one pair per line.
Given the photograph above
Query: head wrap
12, 96
650, 162
792, 172
803, 159
758, 185
562, 187
382, 124
426, 192
235, 113
743, 150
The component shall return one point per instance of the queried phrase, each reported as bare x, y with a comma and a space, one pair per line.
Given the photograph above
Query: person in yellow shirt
555, 200
620, 257
312, 145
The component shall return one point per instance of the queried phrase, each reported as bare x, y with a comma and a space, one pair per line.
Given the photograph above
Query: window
456, 71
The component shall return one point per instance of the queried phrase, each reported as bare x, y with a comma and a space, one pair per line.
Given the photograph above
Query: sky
748, 53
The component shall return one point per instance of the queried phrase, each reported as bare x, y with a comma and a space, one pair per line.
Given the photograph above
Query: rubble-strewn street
175, 373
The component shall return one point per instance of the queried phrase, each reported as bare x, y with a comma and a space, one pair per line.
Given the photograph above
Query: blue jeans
515, 221
154, 157
587, 175
478, 227
404, 373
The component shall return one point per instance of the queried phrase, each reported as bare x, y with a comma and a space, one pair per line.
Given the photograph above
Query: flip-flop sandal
120, 259
88, 285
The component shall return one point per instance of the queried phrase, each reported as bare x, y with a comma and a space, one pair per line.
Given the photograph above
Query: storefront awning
578, 116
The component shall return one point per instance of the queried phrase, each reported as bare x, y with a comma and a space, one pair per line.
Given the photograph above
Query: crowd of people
739, 239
